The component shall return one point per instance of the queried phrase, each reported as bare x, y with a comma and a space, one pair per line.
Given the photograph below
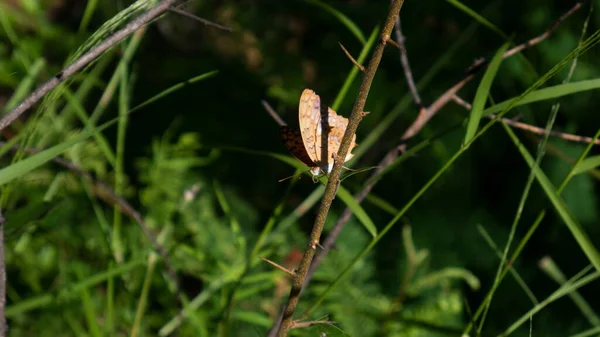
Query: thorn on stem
358, 65
285, 270
396, 44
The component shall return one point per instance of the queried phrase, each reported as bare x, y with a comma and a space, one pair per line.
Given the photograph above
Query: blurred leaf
477, 17
357, 210
352, 27
483, 91
587, 164
546, 94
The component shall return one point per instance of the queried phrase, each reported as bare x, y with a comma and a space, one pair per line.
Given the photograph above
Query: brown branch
534, 129
2, 279
105, 193
84, 60
334, 176
280, 267
358, 65
199, 19
400, 39
424, 116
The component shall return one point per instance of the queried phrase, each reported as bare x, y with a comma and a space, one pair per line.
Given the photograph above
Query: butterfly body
315, 148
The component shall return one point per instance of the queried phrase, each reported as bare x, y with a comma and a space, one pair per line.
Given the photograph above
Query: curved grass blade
352, 27
483, 91
174, 88
477, 17
587, 164
26, 165
357, 210
70, 292
578, 233
547, 93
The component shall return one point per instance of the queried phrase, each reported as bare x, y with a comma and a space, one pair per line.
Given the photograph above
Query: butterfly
313, 147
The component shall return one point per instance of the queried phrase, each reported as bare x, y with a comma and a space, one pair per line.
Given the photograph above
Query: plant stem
356, 116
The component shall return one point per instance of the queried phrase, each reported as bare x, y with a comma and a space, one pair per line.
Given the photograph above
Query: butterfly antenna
292, 176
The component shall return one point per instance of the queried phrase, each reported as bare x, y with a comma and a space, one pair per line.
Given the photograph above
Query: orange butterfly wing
312, 124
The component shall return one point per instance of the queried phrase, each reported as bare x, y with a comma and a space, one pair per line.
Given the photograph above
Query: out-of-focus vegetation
202, 162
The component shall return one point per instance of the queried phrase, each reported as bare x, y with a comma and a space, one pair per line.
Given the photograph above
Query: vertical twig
356, 115
405, 65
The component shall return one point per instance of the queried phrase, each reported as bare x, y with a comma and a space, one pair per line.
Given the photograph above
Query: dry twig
358, 65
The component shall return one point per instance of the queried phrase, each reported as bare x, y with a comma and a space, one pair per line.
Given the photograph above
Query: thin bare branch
199, 19
358, 65
300, 325
395, 44
400, 39
273, 113
334, 177
533, 129
280, 267
84, 60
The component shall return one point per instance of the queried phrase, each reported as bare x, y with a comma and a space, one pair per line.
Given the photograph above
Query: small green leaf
547, 93
357, 210
587, 164
482, 94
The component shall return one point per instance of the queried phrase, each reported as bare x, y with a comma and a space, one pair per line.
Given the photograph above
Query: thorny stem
356, 115
424, 116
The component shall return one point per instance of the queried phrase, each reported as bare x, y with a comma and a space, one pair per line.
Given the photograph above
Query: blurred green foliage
200, 159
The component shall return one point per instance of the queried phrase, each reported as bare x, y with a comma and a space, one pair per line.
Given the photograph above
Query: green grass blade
88, 307
142, 303
553, 271
548, 93
48, 298
477, 17
357, 210
566, 289
578, 233
174, 88
352, 27
24, 166
483, 91
87, 15
26, 84
587, 164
